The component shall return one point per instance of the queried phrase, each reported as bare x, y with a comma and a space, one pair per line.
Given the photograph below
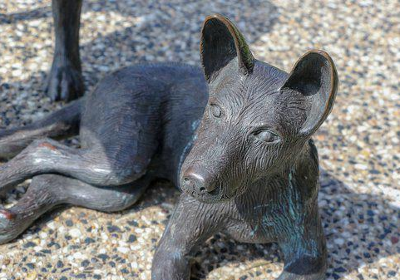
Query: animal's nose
198, 180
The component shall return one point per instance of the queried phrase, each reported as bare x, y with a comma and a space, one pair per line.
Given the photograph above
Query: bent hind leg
93, 166
48, 191
118, 154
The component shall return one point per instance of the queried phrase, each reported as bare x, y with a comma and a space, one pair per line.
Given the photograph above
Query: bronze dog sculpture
252, 170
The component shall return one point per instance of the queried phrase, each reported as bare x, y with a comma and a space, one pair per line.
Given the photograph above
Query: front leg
65, 78
305, 252
191, 224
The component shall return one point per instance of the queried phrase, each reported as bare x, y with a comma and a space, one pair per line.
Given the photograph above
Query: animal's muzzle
199, 183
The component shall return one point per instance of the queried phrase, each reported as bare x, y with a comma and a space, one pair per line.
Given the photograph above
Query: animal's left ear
221, 42
314, 76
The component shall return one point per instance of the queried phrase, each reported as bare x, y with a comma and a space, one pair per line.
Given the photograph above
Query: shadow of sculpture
38, 13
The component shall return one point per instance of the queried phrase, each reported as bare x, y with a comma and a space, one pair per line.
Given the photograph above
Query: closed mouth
216, 191
209, 197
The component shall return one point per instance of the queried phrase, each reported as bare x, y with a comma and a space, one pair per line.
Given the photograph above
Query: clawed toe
64, 83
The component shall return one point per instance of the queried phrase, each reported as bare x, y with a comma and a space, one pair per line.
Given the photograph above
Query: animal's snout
198, 182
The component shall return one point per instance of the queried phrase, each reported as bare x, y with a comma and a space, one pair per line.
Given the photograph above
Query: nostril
202, 189
187, 180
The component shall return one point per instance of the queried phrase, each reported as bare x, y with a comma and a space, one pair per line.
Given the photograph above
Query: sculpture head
258, 118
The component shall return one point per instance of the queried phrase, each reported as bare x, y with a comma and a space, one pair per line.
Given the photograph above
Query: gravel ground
358, 145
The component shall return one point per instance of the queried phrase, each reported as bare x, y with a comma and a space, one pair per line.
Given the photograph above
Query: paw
8, 229
171, 265
64, 82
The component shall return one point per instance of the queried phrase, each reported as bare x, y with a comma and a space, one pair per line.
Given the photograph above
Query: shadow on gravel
11, 18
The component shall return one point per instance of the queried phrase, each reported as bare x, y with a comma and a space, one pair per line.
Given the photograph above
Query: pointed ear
314, 76
221, 42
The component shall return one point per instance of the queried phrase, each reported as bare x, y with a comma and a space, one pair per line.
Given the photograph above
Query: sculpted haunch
250, 169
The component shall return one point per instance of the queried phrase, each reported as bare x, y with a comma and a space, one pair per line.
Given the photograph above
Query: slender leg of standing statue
65, 77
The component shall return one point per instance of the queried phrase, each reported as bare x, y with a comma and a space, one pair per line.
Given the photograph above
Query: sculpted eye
266, 136
216, 111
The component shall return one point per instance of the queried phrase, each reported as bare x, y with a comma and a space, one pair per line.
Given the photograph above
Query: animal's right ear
314, 76
222, 42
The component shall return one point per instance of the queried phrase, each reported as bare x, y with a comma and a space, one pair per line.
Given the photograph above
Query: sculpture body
252, 169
